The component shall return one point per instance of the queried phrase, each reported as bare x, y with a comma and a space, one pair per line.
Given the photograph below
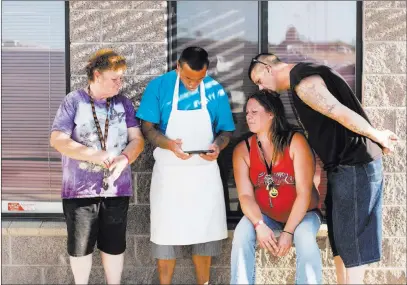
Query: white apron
186, 196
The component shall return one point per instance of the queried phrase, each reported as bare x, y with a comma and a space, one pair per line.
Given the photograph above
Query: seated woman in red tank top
274, 172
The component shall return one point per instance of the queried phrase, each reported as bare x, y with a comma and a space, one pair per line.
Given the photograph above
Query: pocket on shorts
374, 171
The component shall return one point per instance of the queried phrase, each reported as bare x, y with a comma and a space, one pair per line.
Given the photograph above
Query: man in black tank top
350, 148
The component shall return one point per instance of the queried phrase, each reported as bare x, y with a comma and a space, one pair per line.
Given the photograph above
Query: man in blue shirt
194, 123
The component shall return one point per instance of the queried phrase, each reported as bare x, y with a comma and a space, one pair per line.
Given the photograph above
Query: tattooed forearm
314, 93
360, 131
223, 139
310, 94
154, 136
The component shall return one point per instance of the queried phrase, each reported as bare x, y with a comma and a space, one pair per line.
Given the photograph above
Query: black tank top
332, 142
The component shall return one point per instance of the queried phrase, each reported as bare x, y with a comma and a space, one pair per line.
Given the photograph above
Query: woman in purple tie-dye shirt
98, 136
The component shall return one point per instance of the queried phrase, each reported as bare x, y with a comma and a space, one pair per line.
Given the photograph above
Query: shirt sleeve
149, 109
64, 120
131, 120
224, 120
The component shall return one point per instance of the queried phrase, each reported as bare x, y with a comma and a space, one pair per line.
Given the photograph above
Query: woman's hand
118, 164
266, 239
102, 158
285, 241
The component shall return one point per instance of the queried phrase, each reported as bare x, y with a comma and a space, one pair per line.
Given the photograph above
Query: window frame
233, 217
10, 216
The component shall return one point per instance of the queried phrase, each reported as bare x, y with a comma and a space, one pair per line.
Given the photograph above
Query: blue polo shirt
156, 103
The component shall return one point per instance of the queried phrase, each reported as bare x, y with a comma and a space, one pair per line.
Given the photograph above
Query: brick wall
384, 98
34, 252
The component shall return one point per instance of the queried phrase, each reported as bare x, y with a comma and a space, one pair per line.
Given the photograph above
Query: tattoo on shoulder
310, 94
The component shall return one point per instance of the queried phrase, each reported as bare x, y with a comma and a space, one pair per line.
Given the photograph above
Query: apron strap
175, 95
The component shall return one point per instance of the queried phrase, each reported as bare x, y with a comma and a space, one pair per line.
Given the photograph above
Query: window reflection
229, 33
315, 32
319, 32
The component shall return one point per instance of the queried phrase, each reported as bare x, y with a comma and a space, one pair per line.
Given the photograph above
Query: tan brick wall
384, 98
34, 252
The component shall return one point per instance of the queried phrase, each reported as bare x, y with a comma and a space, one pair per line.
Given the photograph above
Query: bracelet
288, 232
126, 156
261, 222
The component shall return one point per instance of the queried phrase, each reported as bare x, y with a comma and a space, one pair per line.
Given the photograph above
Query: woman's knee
306, 232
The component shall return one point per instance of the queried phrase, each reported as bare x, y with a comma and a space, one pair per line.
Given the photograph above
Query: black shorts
91, 220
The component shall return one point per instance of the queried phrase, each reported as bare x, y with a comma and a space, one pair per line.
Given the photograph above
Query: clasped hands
266, 239
115, 164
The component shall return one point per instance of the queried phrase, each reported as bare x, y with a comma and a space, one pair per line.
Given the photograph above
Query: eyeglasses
255, 60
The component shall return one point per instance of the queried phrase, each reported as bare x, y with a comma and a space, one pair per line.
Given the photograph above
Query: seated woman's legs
244, 250
243, 253
309, 264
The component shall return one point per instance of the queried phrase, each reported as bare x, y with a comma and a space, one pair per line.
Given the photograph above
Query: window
295, 31
230, 35
33, 86
314, 31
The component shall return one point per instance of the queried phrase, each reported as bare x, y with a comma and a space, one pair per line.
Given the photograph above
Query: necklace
268, 179
102, 138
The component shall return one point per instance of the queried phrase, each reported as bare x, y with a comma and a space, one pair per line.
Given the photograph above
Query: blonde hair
102, 60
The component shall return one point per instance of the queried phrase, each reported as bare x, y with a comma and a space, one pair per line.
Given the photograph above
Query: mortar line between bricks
398, 74
386, 74
115, 43
143, 172
384, 41
43, 275
9, 250
384, 8
383, 108
130, 9
135, 199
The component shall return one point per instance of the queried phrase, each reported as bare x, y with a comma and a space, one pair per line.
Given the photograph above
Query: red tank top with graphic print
284, 181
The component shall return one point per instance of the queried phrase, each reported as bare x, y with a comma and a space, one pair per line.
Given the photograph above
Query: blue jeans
354, 212
309, 264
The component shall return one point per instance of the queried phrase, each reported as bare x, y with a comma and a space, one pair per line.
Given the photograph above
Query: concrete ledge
33, 228
38, 228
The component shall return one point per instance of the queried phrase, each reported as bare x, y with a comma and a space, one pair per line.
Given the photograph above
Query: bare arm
158, 139
154, 136
304, 169
136, 144
313, 92
244, 186
223, 139
72, 149
251, 209
220, 142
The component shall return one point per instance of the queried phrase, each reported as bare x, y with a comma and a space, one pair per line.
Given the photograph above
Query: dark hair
258, 60
104, 59
195, 57
281, 129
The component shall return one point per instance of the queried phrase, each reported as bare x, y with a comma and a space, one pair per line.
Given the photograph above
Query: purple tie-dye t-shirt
81, 179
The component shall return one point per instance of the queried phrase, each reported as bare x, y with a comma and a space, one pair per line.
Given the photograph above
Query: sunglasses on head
255, 60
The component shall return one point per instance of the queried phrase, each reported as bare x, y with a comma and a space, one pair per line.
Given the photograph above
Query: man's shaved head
263, 59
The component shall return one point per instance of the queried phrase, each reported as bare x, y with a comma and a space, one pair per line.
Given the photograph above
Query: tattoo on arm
358, 130
310, 94
317, 96
223, 139
154, 136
